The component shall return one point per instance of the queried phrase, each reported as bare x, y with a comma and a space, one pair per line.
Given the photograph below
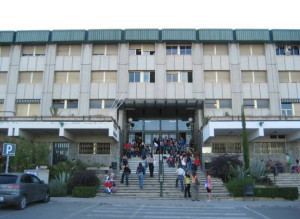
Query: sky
158, 14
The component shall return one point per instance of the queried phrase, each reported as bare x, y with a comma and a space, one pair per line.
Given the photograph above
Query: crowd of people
283, 167
177, 155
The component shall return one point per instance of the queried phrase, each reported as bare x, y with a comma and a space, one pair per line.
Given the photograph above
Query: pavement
258, 202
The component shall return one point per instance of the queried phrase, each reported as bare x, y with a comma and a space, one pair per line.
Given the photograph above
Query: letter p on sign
9, 149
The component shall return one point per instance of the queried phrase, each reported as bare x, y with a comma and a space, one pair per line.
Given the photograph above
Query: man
109, 187
180, 173
127, 148
182, 143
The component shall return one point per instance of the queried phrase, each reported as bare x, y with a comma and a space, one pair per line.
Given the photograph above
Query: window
3, 76
34, 50
68, 50
4, 51
104, 77
256, 104
287, 50
31, 77
27, 107
252, 49
290, 108
62, 77
254, 76
218, 104
1, 107
228, 147
289, 77
179, 76
269, 147
141, 49
101, 104
94, 148
143, 76
110, 49
215, 49
216, 76
65, 104
179, 50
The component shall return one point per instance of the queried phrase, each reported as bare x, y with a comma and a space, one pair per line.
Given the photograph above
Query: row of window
94, 148
73, 77
32, 108
259, 147
149, 49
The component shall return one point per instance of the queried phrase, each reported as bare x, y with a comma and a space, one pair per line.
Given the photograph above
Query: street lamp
160, 171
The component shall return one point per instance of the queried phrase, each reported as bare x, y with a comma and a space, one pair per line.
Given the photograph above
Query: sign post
8, 150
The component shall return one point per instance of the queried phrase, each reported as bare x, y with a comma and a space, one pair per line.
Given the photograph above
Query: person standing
180, 174
182, 143
195, 187
208, 185
151, 165
187, 183
140, 172
126, 172
288, 163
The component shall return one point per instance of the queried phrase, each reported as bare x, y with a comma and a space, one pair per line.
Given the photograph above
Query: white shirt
179, 172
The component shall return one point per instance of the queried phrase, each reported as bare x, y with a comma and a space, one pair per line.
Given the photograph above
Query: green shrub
84, 178
84, 191
236, 186
290, 193
68, 166
57, 188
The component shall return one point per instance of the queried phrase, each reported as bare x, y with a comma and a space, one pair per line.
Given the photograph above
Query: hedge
290, 193
84, 191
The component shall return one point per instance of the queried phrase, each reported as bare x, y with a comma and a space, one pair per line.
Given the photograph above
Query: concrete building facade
87, 92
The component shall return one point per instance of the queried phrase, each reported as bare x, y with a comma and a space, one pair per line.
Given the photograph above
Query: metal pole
7, 162
160, 172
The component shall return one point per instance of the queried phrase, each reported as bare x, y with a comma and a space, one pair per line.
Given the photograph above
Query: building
87, 92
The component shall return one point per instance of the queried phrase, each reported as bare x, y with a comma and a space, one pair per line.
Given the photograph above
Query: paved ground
67, 208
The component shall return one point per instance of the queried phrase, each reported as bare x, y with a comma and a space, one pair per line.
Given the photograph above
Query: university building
87, 92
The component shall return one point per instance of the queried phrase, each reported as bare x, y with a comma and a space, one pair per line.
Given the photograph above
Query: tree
245, 142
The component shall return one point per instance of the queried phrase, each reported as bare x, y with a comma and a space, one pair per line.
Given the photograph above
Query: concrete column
12, 81
198, 71
235, 79
160, 71
123, 75
48, 80
273, 80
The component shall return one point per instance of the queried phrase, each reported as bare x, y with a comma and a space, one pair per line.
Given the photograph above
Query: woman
187, 183
208, 185
126, 172
195, 187
140, 171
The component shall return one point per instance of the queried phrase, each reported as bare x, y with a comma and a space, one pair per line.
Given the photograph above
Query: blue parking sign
9, 149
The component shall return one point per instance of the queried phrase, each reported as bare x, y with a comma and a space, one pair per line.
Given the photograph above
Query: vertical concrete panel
160, 82
284, 91
207, 62
296, 60
112, 91
133, 62
65, 91
275, 104
217, 89
103, 87
264, 91
132, 91
237, 102
160, 54
150, 91
280, 63
225, 63
226, 91
270, 51
85, 78
150, 62
40, 63
289, 63
4, 63
179, 90
20, 91
76, 63
9, 104
187, 62
2, 91
29, 88
123, 53
123, 76
68, 63
170, 62
59, 63
292, 88
74, 91
24, 63
95, 63
12, 79
37, 91
142, 62
255, 91
32, 62
141, 90
15, 55
209, 94
86, 54
298, 90
253, 62
171, 91
247, 91
234, 54
261, 63
188, 91
235, 78
94, 91
244, 63
197, 53
113, 62
216, 62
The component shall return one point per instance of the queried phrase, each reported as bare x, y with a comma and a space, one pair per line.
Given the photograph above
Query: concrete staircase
288, 180
151, 189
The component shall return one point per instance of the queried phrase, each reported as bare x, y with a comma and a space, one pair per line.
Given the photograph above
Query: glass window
185, 50
95, 104
58, 104
72, 104
225, 104
98, 49
108, 103
111, 77
4, 51
286, 109
112, 49
3, 76
223, 76
171, 50
262, 103
168, 124
280, 50
138, 125
210, 104
183, 76
152, 125
97, 77
182, 125
248, 104
146, 76
172, 76
284, 77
